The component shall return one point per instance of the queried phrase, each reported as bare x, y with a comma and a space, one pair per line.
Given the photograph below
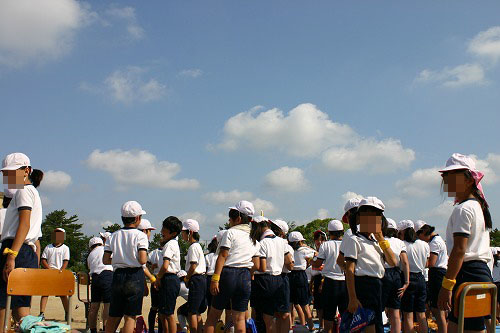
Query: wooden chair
83, 279
475, 299
39, 282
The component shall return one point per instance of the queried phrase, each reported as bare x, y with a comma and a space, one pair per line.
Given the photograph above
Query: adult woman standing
467, 236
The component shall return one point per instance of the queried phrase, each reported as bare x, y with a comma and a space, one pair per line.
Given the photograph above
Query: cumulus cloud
39, 31
486, 44
443, 211
459, 76
55, 180
192, 72
308, 132
129, 85
322, 213
350, 195
127, 14
286, 179
139, 167
420, 183
232, 197
195, 216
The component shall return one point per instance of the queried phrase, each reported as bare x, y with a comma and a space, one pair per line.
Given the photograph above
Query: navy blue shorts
155, 297
283, 299
415, 296
101, 287
268, 293
234, 288
299, 288
197, 301
391, 283
169, 291
369, 293
471, 271
127, 291
26, 258
317, 299
436, 276
334, 296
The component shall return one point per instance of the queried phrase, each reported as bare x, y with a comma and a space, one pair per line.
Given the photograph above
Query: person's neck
57, 244
464, 196
192, 241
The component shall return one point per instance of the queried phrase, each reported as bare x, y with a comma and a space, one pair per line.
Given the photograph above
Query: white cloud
309, 133
106, 224
459, 76
45, 200
38, 31
263, 205
129, 85
395, 203
322, 213
420, 183
55, 180
229, 198
195, 216
486, 44
139, 167
287, 179
443, 211
350, 195
134, 30
374, 156
192, 72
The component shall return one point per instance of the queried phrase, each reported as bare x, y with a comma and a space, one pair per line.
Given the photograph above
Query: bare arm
431, 262
456, 258
351, 286
190, 271
263, 265
317, 263
219, 264
45, 264
106, 258
405, 266
65, 264
143, 256
289, 261
341, 261
256, 265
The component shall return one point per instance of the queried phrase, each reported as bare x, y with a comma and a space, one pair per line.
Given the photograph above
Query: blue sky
188, 107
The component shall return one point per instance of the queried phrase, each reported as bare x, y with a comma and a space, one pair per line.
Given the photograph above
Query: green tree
155, 243
495, 237
75, 239
112, 228
307, 230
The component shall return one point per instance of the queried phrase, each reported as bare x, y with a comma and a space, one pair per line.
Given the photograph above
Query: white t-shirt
2, 217
467, 218
273, 249
397, 246
124, 244
290, 252
155, 257
300, 257
94, 261
184, 291
438, 247
55, 255
211, 260
496, 272
27, 198
172, 252
418, 253
328, 252
347, 234
368, 255
241, 248
195, 255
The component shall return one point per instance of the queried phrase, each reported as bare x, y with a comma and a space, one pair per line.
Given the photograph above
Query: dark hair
128, 220
234, 214
426, 229
274, 228
336, 234
409, 235
294, 245
353, 218
319, 234
390, 232
196, 236
256, 231
212, 247
6, 201
36, 177
172, 224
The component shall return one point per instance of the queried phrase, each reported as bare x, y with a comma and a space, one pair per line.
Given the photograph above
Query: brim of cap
233, 208
184, 228
371, 205
151, 228
59, 229
143, 212
453, 167
335, 229
12, 167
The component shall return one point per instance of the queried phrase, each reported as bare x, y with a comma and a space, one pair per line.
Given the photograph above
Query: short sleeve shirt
195, 255
367, 254
124, 245
56, 255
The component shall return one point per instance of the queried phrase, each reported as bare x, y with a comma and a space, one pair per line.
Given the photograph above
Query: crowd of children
377, 266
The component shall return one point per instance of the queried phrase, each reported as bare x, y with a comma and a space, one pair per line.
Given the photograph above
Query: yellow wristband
448, 284
384, 245
153, 279
8, 251
215, 278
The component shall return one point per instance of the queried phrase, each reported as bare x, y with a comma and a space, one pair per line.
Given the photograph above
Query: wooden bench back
477, 301
41, 282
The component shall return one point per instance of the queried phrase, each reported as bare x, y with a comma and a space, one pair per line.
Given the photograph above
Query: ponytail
256, 231
484, 205
36, 177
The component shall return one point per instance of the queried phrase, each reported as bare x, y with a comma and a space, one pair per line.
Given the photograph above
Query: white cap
244, 207
145, 225
295, 236
219, 235
282, 225
15, 161
260, 219
391, 224
494, 250
351, 203
405, 224
9, 192
132, 209
372, 202
459, 161
105, 235
94, 241
419, 224
191, 225
181, 274
60, 229
335, 225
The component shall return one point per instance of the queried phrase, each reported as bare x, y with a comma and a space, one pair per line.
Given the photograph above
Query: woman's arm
455, 261
219, 264
351, 287
289, 261
405, 266
431, 262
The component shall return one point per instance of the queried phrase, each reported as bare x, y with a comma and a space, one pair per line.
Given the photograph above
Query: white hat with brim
94, 241
145, 225
191, 225
132, 209
60, 229
372, 202
459, 162
335, 225
244, 207
295, 236
15, 161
